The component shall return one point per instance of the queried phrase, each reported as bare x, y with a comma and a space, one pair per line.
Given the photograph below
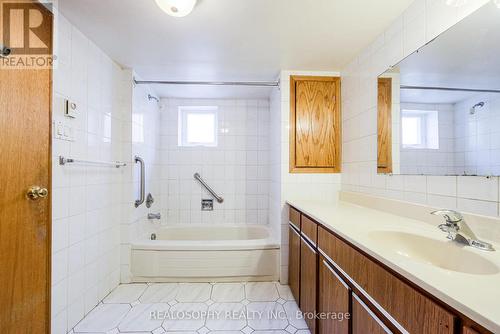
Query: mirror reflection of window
420, 129
445, 102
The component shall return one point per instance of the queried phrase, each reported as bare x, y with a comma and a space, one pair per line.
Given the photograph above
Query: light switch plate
63, 130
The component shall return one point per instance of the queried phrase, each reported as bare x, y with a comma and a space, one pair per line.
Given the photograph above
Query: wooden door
294, 262
308, 282
364, 320
384, 120
333, 299
315, 125
25, 123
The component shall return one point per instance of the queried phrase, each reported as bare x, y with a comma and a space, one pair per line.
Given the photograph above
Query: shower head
151, 97
477, 105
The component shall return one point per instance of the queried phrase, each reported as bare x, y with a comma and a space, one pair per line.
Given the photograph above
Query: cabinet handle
373, 315
310, 247
364, 293
308, 239
327, 265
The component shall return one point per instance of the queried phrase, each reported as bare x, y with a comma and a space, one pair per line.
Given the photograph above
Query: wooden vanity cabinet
331, 276
410, 309
333, 298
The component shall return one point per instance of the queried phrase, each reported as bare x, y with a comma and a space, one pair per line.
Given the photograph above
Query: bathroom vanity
342, 261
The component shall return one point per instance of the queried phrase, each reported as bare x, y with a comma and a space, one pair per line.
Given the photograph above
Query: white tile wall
477, 137
321, 187
86, 199
421, 22
238, 168
275, 179
141, 138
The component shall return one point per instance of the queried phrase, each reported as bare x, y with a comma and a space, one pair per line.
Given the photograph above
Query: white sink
445, 254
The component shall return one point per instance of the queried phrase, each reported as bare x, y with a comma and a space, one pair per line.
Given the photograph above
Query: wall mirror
439, 109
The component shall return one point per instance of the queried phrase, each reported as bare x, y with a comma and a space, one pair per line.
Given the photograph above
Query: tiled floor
196, 308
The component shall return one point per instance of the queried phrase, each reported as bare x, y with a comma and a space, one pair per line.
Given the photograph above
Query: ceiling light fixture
456, 3
176, 8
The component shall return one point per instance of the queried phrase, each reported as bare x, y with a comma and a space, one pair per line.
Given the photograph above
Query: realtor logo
27, 32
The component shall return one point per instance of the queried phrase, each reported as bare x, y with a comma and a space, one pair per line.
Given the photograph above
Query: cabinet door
315, 124
364, 320
333, 298
294, 262
468, 330
308, 276
384, 120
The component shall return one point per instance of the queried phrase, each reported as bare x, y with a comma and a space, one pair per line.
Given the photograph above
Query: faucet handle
451, 216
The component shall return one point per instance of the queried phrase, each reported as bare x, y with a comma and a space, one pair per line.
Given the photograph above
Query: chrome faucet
459, 231
152, 216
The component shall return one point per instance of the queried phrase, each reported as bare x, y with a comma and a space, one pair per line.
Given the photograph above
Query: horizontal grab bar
198, 177
64, 161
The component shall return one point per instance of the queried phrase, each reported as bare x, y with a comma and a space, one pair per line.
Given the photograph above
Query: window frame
183, 112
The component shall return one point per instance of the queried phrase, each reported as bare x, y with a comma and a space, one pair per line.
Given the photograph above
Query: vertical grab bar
138, 202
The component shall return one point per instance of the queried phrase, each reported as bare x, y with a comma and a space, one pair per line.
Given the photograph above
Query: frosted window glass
420, 129
412, 131
198, 126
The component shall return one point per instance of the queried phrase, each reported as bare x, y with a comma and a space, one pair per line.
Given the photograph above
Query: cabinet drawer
309, 229
294, 218
412, 310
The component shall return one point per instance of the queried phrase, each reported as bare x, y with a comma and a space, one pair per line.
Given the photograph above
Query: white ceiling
465, 56
231, 39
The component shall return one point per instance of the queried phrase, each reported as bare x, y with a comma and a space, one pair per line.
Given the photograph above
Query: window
198, 126
420, 129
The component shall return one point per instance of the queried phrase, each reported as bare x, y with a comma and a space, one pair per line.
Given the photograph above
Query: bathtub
206, 253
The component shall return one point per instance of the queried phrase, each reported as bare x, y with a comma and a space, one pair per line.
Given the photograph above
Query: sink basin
443, 254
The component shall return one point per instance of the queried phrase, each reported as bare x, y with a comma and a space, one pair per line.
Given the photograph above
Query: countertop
476, 296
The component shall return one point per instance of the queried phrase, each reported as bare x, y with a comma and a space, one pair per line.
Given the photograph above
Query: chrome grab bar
138, 202
219, 199
64, 161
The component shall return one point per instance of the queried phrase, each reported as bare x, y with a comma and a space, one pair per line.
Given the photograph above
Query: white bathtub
206, 253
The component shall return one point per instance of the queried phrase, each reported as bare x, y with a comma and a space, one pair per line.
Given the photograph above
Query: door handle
34, 193
5, 51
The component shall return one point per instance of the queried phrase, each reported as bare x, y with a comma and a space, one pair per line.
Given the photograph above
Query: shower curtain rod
452, 89
210, 83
